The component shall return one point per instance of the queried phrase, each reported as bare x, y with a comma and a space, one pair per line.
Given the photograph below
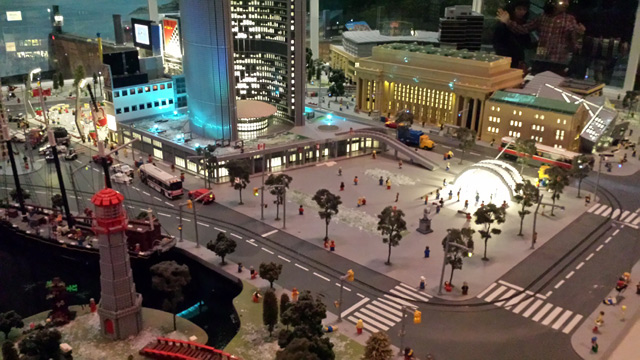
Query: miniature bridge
171, 349
412, 153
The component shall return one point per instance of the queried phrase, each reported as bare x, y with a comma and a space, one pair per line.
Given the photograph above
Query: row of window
514, 134
149, 105
537, 127
536, 138
494, 130
494, 119
559, 134
515, 123
140, 90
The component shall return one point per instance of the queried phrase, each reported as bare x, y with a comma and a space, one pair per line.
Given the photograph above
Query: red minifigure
332, 246
92, 305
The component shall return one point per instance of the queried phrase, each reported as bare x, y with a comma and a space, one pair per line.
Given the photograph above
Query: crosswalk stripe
404, 295
495, 293
591, 209
532, 308
515, 300
387, 308
601, 209
624, 215
412, 294
382, 313
479, 296
636, 221
367, 326
511, 285
562, 319
371, 321
509, 293
378, 317
576, 319
522, 305
633, 215
399, 301
552, 316
615, 213
395, 305
355, 306
542, 311
407, 286
606, 213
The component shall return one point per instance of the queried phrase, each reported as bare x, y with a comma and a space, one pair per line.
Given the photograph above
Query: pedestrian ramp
530, 305
627, 217
386, 311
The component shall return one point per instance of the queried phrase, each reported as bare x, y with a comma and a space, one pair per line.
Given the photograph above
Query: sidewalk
618, 337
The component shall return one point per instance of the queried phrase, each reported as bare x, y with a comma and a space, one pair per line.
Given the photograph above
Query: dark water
26, 265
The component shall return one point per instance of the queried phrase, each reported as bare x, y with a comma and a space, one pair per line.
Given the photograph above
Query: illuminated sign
141, 33
14, 15
172, 46
111, 123
11, 46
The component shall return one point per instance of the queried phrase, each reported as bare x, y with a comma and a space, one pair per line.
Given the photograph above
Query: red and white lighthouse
120, 305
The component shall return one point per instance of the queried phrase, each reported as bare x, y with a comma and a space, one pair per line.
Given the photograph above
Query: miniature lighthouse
120, 305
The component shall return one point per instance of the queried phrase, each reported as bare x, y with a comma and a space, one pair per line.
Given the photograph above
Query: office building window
126, 109
132, 91
155, 87
170, 101
179, 161
148, 105
146, 139
116, 94
157, 144
118, 111
140, 90
141, 106
146, 89
134, 108
125, 93
169, 85
156, 104
162, 87
164, 102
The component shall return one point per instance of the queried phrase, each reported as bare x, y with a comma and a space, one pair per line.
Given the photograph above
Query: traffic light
179, 227
189, 204
350, 275
256, 191
417, 317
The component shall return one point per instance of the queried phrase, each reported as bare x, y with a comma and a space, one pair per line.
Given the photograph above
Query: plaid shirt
558, 35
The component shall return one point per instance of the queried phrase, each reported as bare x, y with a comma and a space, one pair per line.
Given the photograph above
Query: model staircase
170, 349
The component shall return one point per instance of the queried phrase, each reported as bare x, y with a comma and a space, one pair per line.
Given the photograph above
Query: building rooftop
253, 109
107, 197
432, 50
374, 36
535, 102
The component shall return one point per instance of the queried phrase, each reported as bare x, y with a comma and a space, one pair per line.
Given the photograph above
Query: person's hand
503, 16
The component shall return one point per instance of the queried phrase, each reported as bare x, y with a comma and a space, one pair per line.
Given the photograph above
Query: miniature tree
378, 347
391, 224
486, 216
337, 80
319, 69
526, 148
404, 118
270, 310
78, 75
455, 254
328, 204
222, 246
61, 81
311, 69
298, 349
558, 179
41, 344
279, 183
55, 82
170, 278
284, 304
580, 169
142, 215
526, 194
57, 297
305, 317
8, 321
57, 201
270, 272
14, 194
9, 351
239, 171
466, 140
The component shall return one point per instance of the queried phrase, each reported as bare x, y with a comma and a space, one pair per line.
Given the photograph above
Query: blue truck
415, 138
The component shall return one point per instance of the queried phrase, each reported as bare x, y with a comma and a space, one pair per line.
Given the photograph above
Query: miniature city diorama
289, 180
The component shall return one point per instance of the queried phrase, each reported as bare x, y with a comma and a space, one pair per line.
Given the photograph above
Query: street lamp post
180, 223
534, 236
195, 216
402, 332
602, 159
349, 276
444, 262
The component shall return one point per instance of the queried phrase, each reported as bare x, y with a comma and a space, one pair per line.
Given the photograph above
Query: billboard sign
172, 46
141, 33
14, 15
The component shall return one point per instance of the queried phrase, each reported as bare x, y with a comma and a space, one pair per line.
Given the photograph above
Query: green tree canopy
391, 224
270, 271
404, 118
57, 201
486, 216
298, 349
455, 254
270, 310
581, 166
284, 304
222, 246
378, 347
558, 179
305, 318
526, 148
526, 194
278, 183
328, 204
239, 171
170, 278
466, 140
44, 343
78, 75
337, 80
8, 321
9, 351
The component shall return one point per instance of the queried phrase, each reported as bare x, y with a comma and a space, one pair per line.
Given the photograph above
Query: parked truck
415, 138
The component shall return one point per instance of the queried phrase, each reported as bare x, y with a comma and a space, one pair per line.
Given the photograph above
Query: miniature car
194, 194
71, 154
391, 124
43, 150
123, 168
121, 178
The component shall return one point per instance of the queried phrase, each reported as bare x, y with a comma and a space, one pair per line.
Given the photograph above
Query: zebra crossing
626, 216
384, 312
534, 307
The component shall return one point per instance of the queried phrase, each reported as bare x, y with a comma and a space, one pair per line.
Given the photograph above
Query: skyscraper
269, 54
461, 27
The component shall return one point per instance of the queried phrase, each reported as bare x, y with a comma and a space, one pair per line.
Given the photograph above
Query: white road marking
170, 204
367, 326
506, 295
302, 267
146, 193
362, 296
631, 217
223, 230
412, 295
344, 287
515, 300
251, 243
591, 209
367, 320
386, 315
601, 209
569, 275
548, 294
636, 221
615, 213
96, 170
580, 265
479, 296
552, 316
608, 239
399, 301
269, 233
377, 317
606, 213
391, 303
532, 308
407, 286
157, 198
267, 250
511, 285
474, 153
78, 161
203, 224
163, 214
234, 235
132, 207
386, 308
41, 192
624, 215
542, 312
355, 306
599, 247
495, 293
562, 319
559, 284
616, 232
589, 257
135, 188
318, 275
283, 258
522, 305
576, 319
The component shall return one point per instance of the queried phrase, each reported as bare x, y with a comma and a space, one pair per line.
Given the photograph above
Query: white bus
163, 182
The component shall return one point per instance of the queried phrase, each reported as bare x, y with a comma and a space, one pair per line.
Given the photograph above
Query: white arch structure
493, 180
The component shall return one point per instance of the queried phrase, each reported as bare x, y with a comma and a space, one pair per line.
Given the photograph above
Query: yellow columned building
438, 85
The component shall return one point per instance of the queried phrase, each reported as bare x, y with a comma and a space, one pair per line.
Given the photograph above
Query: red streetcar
544, 154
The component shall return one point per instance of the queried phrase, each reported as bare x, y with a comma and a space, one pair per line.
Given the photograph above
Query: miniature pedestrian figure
600, 319
388, 184
397, 196
623, 310
638, 288
149, 159
381, 181
373, 155
437, 194
466, 205
326, 243
587, 200
459, 194
239, 267
408, 353
450, 194
400, 164
351, 131
482, 205
493, 141
300, 210
447, 286
427, 252
294, 295
253, 273
594, 345
342, 186
92, 305
359, 326
329, 328
364, 201
444, 157
477, 198
633, 154
444, 182
504, 204
359, 202
26, 165
465, 288
438, 209
332, 246
441, 202
449, 155
426, 199
448, 167
423, 283
340, 171
355, 181
173, 168
256, 296
543, 208
182, 176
